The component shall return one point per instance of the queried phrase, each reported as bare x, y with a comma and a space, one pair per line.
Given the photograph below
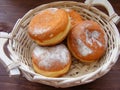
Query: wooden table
10, 11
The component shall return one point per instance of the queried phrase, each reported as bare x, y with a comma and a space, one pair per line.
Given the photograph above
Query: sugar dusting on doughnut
49, 55
38, 31
87, 41
53, 10
49, 27
67, 9
83, 49
93, 37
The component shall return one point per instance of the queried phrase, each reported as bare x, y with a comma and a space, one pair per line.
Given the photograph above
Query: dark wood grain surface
10, 11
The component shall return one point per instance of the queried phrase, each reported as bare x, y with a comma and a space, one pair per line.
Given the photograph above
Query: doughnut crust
87, 41
76, 18
49, 27
51, 61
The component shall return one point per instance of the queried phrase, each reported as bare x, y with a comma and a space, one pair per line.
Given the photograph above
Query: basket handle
4, 59
113, 16
119, 46
4, 35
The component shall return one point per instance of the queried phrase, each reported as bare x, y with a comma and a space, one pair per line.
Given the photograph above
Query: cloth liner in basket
20, 46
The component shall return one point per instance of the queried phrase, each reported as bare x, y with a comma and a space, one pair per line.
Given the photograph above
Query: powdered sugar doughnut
51, 61
76, 18
49, 27
87, 41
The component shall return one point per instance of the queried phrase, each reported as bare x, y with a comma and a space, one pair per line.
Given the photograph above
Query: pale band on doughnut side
51, 73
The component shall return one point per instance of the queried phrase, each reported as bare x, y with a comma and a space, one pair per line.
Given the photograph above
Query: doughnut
75, 17
51, 61
87, 41
49, 27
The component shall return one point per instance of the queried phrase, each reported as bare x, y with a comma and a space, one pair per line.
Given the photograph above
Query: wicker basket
20, 46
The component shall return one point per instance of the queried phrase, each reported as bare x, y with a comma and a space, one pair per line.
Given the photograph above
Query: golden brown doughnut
51, 61
49, 27
76, 18
87, 41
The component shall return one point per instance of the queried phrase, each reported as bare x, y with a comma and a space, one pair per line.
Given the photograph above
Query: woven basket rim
73, 79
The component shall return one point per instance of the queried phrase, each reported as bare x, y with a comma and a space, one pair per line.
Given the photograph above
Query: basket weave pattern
21, 47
